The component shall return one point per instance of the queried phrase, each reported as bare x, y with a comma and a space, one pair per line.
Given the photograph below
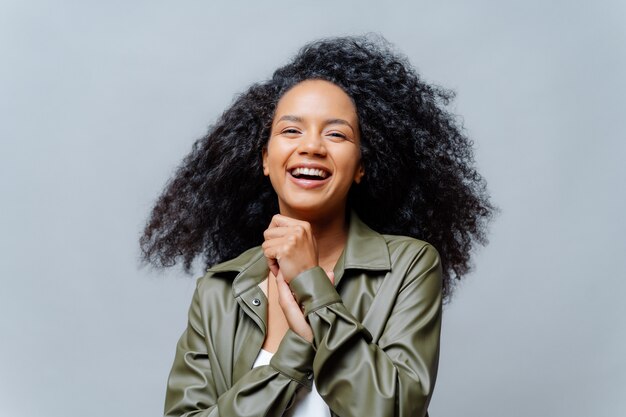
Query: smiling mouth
314, 174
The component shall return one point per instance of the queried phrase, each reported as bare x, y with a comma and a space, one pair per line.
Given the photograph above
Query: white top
308, 403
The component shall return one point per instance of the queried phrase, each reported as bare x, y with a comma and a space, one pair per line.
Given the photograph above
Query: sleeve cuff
294, 358
313, 290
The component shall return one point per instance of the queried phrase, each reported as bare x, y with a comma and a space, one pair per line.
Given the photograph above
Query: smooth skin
316, 126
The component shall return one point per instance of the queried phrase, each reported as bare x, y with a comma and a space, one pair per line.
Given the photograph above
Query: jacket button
256, 302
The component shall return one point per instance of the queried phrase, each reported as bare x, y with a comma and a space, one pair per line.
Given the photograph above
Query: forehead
316, 98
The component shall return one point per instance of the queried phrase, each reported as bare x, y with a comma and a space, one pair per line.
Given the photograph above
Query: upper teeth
309, 171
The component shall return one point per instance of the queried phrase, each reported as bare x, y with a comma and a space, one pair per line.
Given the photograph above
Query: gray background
101, 100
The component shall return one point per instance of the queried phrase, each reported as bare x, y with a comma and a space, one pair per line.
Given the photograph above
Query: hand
295, 318
289, 246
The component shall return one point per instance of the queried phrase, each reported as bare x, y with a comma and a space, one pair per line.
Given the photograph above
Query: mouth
313, 174
309, 177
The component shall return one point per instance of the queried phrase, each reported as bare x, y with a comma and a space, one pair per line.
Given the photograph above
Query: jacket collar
365, 250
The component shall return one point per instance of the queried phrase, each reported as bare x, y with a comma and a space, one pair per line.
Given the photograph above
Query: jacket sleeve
395, 375
263, 391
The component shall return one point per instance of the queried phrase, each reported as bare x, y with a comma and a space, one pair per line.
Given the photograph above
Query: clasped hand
290, 249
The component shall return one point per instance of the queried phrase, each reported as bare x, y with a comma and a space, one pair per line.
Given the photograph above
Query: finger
285, 296
273, 248
276, 232
295, 318
270, 251
273, 266
292, 230
278, 220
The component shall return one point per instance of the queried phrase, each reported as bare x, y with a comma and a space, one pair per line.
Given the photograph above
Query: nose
312, 144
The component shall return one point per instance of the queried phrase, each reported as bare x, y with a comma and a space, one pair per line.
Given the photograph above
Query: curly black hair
420, 177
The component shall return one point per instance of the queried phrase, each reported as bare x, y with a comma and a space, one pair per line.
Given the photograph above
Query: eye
337, 136
290, 131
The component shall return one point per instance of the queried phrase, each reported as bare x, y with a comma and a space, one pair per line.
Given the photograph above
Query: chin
313, 210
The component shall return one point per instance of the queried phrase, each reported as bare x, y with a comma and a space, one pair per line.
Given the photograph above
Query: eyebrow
297, 119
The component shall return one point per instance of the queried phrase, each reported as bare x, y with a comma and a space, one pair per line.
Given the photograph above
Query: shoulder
413, 258
231, 276
214, 302
408, 247
222, 274
238, 264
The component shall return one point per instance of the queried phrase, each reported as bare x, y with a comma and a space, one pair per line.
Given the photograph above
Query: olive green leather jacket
387, 369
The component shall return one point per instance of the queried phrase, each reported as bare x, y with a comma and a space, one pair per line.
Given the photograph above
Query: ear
266, 170
360, 172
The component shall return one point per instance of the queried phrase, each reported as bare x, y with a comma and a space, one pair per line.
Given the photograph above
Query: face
313, 155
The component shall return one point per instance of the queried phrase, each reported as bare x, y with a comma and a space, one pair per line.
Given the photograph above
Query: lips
309, 175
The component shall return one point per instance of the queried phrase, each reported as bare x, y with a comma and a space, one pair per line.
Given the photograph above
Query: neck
331, 239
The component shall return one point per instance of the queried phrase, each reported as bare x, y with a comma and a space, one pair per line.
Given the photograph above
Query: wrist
312, 290
306, 334
292, 275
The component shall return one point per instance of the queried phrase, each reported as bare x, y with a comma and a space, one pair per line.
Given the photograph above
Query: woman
313, 197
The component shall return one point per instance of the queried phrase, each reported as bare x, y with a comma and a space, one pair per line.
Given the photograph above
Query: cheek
278, 151
274, 164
